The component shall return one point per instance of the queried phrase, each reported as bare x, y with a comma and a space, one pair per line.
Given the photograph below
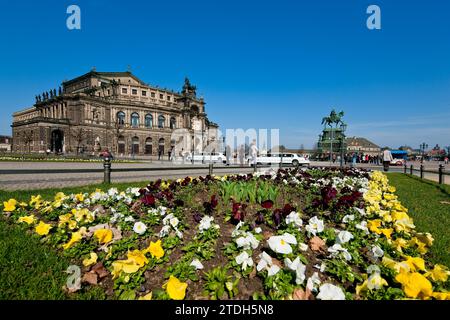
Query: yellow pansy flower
387, 232
155, 249
415, 285
136, 259
60, 196
76, 236
439, 273
43, 228
36, 201
415, 263
79, 197
373, 225
441, 295
103, 235
91, 260
27, 219
426, 238
148, 296
176, 289
10, 205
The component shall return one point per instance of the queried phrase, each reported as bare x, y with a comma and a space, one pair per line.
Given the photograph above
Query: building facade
5, 143
362, 146
113, 110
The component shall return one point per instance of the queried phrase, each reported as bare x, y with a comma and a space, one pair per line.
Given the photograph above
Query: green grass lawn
429, 206
29, 270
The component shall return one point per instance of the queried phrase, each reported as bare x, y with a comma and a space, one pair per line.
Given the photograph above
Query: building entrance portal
57, 141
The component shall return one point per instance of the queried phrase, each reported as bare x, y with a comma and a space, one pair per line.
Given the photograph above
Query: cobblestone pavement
36, 180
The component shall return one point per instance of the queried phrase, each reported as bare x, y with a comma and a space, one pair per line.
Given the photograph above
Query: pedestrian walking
387, 158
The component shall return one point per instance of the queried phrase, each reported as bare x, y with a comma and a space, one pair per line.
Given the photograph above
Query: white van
277, 158
215, 157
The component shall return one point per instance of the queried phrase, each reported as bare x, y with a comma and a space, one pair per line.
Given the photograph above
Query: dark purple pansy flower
148, 200
259, 217
197, 217
267, 204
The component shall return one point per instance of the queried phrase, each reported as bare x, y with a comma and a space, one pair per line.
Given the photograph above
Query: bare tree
28, 138
117, 131
79, 135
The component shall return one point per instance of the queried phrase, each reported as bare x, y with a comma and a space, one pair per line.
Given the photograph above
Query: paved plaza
27, 175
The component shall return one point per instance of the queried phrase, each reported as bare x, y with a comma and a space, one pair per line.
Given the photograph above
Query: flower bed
292, 234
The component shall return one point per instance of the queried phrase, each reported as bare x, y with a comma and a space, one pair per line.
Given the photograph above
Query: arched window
121, 118
148, 146
135, 145
148, 121
134, 120
173, 123
161, 121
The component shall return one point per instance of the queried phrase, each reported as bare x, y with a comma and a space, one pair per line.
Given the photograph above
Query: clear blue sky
259, 64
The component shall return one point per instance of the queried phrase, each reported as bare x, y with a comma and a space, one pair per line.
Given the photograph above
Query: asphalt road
30, 175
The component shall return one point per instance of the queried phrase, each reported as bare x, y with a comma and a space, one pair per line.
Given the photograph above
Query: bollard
441, 174
107, 170
404, 169
421, 171
211, 168
411, 169
254, 167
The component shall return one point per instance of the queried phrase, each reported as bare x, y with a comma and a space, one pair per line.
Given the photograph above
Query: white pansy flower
315, 225
343, 237
174, 222
236, 230
362, 226
258, 230
313, 282
329, 291
179, 233
197, 264
282, 244
298, 267
336, 249
294, 218
377, 252
205, 223
164, 231
134, 191
348, 218
247, 241
361, 211
321, 267
267, 264
112, 192
373, 268
244, 259
167, 218
303, 247
375, 281
129, 219
139, 227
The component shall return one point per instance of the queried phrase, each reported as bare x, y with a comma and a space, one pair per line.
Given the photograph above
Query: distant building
5, 143
114, 110
362, 145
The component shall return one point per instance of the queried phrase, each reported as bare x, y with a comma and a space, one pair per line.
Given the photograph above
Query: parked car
398, 162
215, 157
277, 158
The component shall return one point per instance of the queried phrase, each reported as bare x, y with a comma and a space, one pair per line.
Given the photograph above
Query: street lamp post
342, 143
423, 147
